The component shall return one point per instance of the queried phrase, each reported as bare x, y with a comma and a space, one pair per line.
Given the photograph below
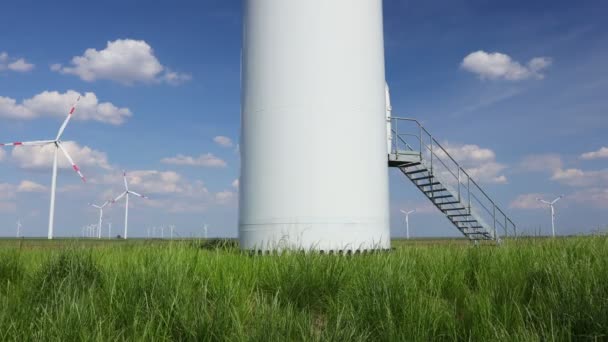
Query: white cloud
205, 160
151, 182
601, 153
480, 163
126, 61
20, 65
597, 197
527, 201
175, 78
9, 108
223, 141
225, 197
581, 178
497, 65
41, 157
53, 103
30, 186
541, 163
235, 184
17, 65
168, 190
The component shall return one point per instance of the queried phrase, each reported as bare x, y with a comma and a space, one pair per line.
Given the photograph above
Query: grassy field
529, 290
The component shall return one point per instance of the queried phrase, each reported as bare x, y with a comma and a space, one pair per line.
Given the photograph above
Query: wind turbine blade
403, 211
67, 119
557, 199
74, 166
29, 143
138, 195
119, 197
104, 204
124, 178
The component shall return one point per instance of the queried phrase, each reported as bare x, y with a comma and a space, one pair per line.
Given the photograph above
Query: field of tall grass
530, 290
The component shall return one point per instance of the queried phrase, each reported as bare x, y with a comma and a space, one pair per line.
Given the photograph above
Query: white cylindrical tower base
314, 169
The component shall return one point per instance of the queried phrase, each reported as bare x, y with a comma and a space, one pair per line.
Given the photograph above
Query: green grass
532, 290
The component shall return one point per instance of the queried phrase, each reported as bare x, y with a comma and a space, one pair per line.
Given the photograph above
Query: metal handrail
432, 147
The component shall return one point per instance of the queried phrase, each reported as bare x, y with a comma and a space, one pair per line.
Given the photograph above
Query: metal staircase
416, 153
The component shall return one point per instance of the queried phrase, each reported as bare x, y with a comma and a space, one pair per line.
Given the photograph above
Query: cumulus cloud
30, 186
168, 190
527, 201
204, 160
53, 103
480, 163
541, 163
223, 141
126, 61
599, 154
580, 178
236, 183
497, 65
225, 197
41, 157
597, 197
17, 65
151, 182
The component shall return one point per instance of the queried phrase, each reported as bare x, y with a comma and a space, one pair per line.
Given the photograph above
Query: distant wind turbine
58, 146
407, 221
205, 231
126, 194
552, 206
19, 228
100, 208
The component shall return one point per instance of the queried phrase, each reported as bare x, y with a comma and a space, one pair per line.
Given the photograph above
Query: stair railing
407, 133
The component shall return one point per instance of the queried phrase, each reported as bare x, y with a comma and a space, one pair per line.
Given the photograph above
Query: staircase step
440, 197
452, 209
434, 190
429, 184
449, 202
421, 178
410, 164
416, 171
465, 221
459, 215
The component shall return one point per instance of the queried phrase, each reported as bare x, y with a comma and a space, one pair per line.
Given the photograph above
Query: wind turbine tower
58, 146
126, 194
552, 206
407, 221
313, 105
100, 208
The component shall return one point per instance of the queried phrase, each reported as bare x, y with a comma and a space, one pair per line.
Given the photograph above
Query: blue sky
161, 84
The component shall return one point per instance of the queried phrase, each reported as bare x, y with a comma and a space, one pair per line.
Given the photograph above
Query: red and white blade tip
74, 105
16, 143
77, 169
